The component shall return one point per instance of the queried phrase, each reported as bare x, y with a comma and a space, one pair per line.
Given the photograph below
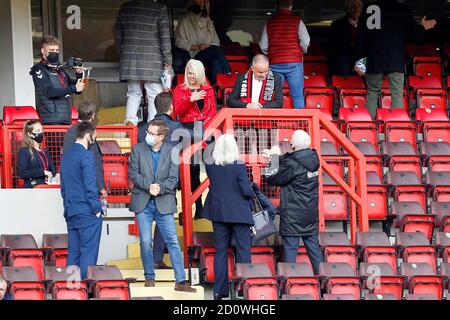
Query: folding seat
201, 253
384, 116
401, 156
107, 282
65, 283
24, 283
414, 247
335, 203
344, 296
353, 98
352, 115
339, 278
436, 131
386, 296
316, 67
288, 103
298, 279
445, 273
319, 98
431, 99
411, 217
239, 66
377, 202
329, 149
428, 66
442, 243
380, 278
421, 278
74, 115
375, 247
21, 250
265, 255
374, 163
436, 155
315, 81
350, 82
224, 81
55, 249
337, 248
406, 186
237, 57
401, 132
386, 99
441, 210
420, 297
438, 184
302, 297
18, 115
363, 132
257, 281
427, 115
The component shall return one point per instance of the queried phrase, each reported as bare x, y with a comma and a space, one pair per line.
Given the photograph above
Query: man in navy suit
82, 207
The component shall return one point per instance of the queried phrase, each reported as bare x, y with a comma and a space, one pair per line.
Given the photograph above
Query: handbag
263, 226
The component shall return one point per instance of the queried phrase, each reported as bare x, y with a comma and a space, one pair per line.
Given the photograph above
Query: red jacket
186, 111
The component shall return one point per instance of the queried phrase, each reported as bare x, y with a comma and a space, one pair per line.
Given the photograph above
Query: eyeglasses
153, 134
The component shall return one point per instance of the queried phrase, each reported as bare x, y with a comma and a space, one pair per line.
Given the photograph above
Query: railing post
315, 138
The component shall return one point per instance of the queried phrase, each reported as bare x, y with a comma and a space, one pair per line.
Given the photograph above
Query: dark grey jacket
142, 34
140, 172
69, 140
297, 175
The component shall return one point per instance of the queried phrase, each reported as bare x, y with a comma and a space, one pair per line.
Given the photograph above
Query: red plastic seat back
70, 291
207, 262
117, 289
28, 291
116, 171
265, 255
18, 114
260, 289
28, 258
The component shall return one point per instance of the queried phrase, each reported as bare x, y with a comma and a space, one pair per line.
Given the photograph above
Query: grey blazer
140, 171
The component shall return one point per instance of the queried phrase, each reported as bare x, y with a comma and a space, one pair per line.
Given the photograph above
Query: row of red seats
18, 115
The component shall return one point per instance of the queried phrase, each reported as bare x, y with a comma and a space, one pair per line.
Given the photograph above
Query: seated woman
194, 103
35, 164
229, 206
195, 33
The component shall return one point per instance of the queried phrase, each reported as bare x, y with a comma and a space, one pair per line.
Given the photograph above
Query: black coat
385, 47
343, 44
297, 176
230, 194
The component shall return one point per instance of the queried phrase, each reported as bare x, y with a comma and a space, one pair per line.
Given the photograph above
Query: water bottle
104, 207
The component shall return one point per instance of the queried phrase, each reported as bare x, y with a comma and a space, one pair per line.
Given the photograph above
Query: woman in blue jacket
35, 163
229, 207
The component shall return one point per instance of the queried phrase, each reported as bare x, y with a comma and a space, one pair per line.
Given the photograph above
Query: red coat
186, 111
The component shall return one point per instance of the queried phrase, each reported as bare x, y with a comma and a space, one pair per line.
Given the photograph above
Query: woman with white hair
194, 103
296, 173
229, 207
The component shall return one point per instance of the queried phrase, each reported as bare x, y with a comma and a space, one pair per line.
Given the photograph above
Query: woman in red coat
194, 103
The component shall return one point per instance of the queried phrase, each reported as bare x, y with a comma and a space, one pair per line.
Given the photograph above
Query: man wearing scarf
259, 88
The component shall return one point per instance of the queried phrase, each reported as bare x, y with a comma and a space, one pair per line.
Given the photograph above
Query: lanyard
44, 162
61, 78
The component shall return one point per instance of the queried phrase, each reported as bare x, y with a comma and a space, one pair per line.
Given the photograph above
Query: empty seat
414, 247
436, 131
337, 248
423, 82
349, 82
344, 296
384, 116
18, 115
436, 155
265, 255
421, 278
410, 296
340, 278
441, 210
442, 241
319, 98
410, 216
401, 156
316, 67
377, 200
107, 282
297, 297
401, 132
24, 283
363, 132
426, 115
428, 66
315, 81
256, 280
298, 278
353, 98
380, 278
438, 184
375, 247
335, 203
379, 296
55, 249
64, 285
239, 66
352, 115
445, 273
20, 250
431, 99
402, 178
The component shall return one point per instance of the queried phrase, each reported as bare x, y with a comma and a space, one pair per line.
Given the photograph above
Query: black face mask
53, 58
38, 137
197, 9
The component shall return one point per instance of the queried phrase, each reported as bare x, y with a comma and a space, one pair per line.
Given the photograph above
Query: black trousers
223, 232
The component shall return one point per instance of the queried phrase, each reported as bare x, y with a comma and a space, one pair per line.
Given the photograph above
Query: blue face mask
150, 140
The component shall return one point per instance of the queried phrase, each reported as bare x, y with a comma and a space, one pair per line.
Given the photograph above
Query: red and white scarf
267, 91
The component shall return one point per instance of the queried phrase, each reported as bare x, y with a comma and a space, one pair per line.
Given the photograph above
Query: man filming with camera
53, 86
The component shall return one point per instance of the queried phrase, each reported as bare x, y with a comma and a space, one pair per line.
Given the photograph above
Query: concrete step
166, 291
162, 275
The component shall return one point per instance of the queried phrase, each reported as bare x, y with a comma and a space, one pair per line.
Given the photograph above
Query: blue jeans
290, 248
166, 224
293, 73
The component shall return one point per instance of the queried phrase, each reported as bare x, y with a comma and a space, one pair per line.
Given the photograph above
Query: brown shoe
184, 286
162, 265
129, 123
150, 283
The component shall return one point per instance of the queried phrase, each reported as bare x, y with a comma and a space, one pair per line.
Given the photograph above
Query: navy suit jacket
230, 194
78, 183
32, 168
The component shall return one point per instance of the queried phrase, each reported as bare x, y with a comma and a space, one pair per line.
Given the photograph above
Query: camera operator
53, 85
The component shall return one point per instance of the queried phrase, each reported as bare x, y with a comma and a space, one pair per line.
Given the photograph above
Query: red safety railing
115, 163
256, 130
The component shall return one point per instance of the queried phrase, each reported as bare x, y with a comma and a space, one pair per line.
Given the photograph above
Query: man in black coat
86, 112
297, 174
383, 44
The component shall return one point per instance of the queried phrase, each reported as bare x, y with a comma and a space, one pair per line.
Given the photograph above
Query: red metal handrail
356, 187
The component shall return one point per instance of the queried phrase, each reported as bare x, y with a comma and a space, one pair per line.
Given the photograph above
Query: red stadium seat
401, 132
265, 255
74, 115
386, 99
353, 98
224, 81
428, 66
18, 115
316, 67
55, 249
415, 248
288, 103
339, 278
315, 81
21, 250
350, 82
401, 156
422, 82
335, 203
115, 169
352, 115
431, 99
389, 115
239, 66
107, 282
337, 248
411, 217
441, 210
421, 278
257, 281
442, 243
298, 279
319, 98
334, 297
363, 132
24, 283
377, 202
379, 296
436, 131
64, 285
380, 278
375, 247
240, 58
426, 115
438, 185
